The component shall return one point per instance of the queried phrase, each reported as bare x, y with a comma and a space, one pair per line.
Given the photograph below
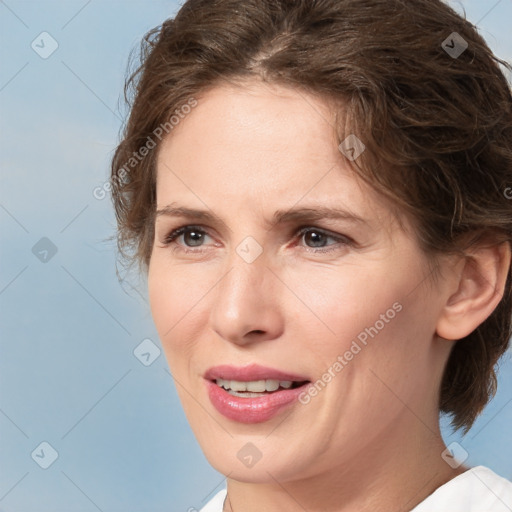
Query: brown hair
437, 126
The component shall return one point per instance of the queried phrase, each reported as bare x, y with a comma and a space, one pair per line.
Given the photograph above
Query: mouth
257, 388
252, 394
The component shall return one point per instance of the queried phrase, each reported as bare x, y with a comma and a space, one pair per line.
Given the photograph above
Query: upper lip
250, 373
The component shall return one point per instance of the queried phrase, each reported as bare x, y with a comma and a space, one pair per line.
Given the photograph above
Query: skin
370, 439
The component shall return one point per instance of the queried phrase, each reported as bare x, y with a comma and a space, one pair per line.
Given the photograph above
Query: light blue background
68, 375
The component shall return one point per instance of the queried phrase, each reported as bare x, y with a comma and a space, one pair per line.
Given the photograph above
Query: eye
322, 241
191, 236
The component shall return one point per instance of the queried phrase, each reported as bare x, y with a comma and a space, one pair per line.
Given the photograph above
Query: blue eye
316, 238
193, 236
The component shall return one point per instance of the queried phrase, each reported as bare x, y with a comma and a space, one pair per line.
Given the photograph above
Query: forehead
262, 146
257, 120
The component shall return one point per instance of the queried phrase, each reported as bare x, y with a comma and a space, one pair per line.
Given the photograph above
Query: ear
479, 289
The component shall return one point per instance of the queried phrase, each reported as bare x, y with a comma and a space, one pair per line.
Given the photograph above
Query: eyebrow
280, 216
316, 213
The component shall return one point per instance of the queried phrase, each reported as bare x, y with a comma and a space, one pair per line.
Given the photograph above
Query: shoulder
478, 489
216, 503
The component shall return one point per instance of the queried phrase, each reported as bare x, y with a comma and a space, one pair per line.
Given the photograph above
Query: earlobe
480, 287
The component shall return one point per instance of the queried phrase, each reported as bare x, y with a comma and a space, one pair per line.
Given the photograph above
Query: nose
246, 306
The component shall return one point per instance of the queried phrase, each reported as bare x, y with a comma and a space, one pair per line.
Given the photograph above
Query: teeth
234, 385
254, 386
270, 385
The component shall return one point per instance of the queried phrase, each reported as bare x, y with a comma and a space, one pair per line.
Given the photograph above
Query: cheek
163, 288
176, 294
371, 316
343, 301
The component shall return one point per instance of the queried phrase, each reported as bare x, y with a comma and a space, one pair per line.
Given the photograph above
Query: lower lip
251, 410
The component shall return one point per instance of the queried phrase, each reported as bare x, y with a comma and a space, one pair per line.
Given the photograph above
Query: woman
316, 190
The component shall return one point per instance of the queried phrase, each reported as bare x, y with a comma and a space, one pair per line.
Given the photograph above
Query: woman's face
290, 270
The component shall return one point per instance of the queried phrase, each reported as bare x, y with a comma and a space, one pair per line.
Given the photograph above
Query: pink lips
250, 372
252, 409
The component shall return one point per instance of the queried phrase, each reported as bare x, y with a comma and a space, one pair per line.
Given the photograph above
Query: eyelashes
340, 240
183, 230
196, 235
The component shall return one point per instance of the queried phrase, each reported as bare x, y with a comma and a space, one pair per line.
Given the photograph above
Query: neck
395, 472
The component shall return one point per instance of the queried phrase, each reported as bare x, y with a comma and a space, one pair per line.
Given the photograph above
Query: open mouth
253, 393
257, 388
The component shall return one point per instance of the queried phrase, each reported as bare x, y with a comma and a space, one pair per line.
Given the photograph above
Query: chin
261, 471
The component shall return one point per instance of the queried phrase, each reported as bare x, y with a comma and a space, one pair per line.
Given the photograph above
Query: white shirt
478, 489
